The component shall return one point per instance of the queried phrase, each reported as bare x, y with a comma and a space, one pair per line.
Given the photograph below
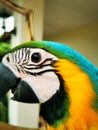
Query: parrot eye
36, 57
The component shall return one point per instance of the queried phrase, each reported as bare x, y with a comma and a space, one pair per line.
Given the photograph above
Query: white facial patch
34, 66
20, 62
44, 86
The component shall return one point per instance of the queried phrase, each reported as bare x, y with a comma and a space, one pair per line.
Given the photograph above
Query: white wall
84, 40
20, 22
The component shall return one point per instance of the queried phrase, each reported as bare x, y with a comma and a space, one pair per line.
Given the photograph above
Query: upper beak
8, 80
21, 89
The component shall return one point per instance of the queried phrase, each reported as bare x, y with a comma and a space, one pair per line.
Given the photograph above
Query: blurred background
74, 23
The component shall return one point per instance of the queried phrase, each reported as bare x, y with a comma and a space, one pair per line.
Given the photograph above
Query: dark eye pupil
36, 57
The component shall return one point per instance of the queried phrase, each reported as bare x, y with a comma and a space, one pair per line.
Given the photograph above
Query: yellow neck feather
81, 95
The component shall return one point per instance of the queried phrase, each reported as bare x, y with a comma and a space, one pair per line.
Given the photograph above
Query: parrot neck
55, 110
81, 95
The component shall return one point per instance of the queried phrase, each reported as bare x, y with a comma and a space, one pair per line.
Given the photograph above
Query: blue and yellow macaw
58, 77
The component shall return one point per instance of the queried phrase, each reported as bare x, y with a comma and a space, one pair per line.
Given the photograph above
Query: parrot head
53, 74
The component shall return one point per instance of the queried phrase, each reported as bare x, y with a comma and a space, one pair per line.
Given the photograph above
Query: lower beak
8, 80
24, 93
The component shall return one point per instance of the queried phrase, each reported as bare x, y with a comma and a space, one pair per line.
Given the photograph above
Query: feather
74, 106
81, 96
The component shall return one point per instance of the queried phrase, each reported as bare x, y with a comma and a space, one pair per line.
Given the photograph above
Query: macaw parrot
59, 78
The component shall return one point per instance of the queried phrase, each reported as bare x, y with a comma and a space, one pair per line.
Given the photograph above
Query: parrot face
58, 77
34, 69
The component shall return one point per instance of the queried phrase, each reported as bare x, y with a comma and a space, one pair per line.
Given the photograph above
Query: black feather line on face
39, 67
39, 73
55, 109
41, 64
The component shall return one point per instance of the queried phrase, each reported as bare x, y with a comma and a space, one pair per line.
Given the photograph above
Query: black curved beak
24, 93
21, 90
8, 80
